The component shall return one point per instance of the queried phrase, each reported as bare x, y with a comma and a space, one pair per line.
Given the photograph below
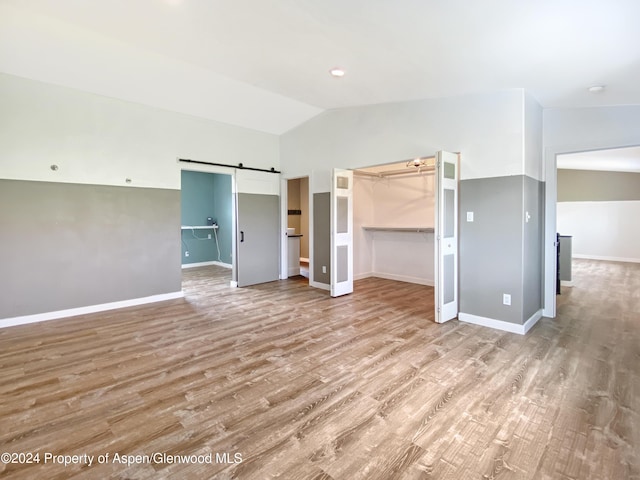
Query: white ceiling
617, 160
264, 64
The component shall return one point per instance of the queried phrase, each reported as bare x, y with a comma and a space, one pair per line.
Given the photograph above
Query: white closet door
446, 235
341, 232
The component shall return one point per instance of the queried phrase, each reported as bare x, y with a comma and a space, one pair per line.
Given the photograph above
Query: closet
394, 221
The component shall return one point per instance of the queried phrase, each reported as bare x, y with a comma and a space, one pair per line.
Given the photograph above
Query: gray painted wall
321, 237
70, 245
590, 186
533, 252
491, 247
500, 252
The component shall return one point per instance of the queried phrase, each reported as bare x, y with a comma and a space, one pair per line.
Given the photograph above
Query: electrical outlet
506, 299
186, 253
469, 216
209, 236
324, 269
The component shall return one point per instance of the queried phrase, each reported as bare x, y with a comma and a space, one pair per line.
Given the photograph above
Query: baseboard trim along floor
500, 324
72, 312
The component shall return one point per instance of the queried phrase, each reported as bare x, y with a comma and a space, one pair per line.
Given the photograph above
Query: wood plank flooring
298, 385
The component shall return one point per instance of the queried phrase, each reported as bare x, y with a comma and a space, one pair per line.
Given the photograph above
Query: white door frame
284, 224
204, 168
550, 212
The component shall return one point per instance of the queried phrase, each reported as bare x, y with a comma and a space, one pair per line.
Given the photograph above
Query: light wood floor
303, 386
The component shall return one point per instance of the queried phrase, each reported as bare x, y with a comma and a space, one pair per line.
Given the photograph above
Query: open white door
341, 232
446, 236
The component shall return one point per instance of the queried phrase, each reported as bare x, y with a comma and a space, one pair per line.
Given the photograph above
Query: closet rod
390, 173
419, 168
239, 165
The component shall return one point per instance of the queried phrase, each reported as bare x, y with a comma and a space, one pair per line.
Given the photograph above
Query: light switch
469, 216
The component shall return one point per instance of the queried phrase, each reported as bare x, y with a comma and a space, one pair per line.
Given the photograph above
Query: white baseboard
501, 324
393, 276
204, 264
566, 283
323, 286
360, 276
608, 259
293, 271
72, 312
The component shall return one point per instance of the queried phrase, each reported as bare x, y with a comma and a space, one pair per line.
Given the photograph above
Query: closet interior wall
399, 201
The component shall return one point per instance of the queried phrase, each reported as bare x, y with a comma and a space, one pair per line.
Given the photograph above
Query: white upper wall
99, 140
486, 129
568, 130
533, 157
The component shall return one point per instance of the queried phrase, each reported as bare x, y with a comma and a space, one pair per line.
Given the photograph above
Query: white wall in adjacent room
602, 230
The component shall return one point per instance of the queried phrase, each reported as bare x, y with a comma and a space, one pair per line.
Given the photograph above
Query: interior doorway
206, 211
298, 218
207, 221
617, 201
406, 226
394, 221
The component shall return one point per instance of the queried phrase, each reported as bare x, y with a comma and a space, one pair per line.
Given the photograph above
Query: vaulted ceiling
265, 64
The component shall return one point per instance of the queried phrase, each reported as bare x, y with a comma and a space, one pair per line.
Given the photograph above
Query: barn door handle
241, 236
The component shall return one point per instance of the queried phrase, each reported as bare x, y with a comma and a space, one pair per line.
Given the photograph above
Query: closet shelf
399, 229
198, 227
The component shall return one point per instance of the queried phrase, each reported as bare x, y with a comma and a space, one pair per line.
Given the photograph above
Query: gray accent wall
491, 247
500, 252
321, 236
68, 245
533, 247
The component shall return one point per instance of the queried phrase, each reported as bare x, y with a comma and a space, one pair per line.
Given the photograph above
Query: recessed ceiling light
596, 88
337, 72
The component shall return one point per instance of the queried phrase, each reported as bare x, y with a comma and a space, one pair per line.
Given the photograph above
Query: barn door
257, 227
